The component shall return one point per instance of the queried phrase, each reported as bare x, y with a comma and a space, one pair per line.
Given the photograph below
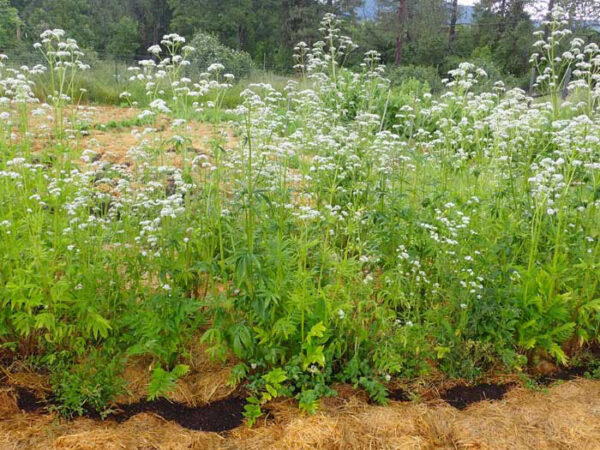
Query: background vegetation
436, 34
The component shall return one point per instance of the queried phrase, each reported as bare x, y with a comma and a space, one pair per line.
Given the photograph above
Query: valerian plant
341, 230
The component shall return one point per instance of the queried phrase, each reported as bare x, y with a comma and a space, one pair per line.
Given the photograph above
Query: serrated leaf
180, 370
314, 355
317, 331
275, 376
98, 325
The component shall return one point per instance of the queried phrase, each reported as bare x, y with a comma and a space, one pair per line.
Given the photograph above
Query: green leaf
45, 320
211, 336
164, 382
275, 376
563, 332
241, 339
442, 351
317, 331
314, 355
180, 370
160, 383
252, 412
238, 373
284, 327
271, 390
98, 325
557, 352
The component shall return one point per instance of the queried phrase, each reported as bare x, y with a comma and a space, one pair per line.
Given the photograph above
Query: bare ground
114, 144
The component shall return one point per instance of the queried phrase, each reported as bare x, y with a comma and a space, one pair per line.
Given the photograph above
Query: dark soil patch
399, 395
28, 401
566, 374
221, 415
462, 396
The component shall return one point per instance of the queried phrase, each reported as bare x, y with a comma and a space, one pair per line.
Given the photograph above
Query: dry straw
567, 416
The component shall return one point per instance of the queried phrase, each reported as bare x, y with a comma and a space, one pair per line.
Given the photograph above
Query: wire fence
89, 55
110, 66
118, 63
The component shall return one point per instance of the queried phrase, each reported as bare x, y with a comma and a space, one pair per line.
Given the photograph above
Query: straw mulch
566, 416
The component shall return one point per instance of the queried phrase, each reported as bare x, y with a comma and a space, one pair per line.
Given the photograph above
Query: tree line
421, 33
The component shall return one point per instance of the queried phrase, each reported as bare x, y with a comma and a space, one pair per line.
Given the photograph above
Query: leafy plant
164, 382
209, 51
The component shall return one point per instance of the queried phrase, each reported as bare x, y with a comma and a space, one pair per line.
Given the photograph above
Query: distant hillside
466, 14
368, 11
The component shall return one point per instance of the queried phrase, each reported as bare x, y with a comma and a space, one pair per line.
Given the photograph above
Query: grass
107, 79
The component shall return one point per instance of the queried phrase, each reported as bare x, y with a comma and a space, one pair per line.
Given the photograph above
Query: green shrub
402, 103
425, 74
483, 58
210, 51
88, 387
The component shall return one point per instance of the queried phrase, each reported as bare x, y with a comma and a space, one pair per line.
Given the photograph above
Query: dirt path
565, 416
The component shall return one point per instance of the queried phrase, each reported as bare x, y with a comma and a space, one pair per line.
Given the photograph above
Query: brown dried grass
114, 144
207, 381
567, 416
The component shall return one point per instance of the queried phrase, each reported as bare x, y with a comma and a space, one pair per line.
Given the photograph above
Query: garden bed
566, 415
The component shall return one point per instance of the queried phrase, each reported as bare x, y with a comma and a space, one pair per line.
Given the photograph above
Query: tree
453, 20
506, 28
228, 19
402, 7
254, 26
154, 17
414, 26
123, 41
9, 26
581, 13
74, 16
